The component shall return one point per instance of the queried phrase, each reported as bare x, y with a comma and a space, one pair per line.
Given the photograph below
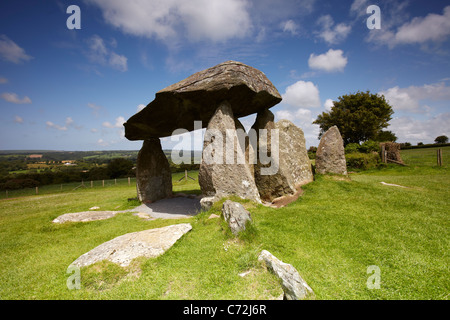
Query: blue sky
64, 89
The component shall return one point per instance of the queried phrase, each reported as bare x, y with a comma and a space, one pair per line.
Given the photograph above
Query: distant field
425, 157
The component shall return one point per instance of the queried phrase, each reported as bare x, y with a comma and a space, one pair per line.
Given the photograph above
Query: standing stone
289, 165
330, 154
236, 216
294, 287
293, 154
221, 174
153, 175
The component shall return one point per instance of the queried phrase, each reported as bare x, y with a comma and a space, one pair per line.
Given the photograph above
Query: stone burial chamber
267, 162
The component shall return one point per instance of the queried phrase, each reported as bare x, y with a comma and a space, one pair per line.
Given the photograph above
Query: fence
429, 157
69, 187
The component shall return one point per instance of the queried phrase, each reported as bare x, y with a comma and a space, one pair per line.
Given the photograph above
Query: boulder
196, 98
123, 249
330, 154
289, 166
153, 175
294, 287
223, 170
235, 215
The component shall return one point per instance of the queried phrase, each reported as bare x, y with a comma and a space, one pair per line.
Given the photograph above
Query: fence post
37, 190
92, 183
115, 181
383, 153
439, 157
129, 182
7, 193
103, 183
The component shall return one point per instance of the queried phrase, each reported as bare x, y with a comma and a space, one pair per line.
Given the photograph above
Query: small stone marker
294, 287
236, 216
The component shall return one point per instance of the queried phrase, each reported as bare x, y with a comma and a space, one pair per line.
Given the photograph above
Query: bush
369, 146
352, 148
362, 161
15, 184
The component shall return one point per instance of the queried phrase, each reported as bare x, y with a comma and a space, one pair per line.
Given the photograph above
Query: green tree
441, 139
359, 117
119, 167
385, 136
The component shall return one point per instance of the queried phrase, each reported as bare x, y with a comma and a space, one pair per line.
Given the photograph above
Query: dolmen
268, 162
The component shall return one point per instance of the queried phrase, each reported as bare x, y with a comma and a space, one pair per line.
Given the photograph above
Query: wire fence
68, 187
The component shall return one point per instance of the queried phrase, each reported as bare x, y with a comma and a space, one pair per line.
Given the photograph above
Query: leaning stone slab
294, 287
235, 215
123, 249
330, 154
196, 98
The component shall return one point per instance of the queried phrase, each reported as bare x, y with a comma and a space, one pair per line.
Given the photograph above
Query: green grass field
331, 235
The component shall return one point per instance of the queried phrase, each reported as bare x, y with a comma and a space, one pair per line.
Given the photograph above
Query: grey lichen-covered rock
289, 166
123, 249
294, 158
330, 154
294, 287
221, 174
153, 175
236, 216
196, 98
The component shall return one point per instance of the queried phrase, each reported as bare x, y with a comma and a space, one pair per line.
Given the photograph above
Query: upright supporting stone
223, 170
289, 165
330, 154
153, 175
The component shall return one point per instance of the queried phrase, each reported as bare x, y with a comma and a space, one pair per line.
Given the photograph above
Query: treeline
407, 145
116, 168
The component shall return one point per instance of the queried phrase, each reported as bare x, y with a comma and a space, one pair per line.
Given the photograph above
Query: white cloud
96, 109
214, 20
118, 62
14, 98
302, 94
68, 123
98, 52
399, 29
412, 130
433, 27
18, 119
328, 104
331, 33
290, 26
117, 125
409, 98
140, 107
102, 143
11, 52
55, 126
359, 7
331, 61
